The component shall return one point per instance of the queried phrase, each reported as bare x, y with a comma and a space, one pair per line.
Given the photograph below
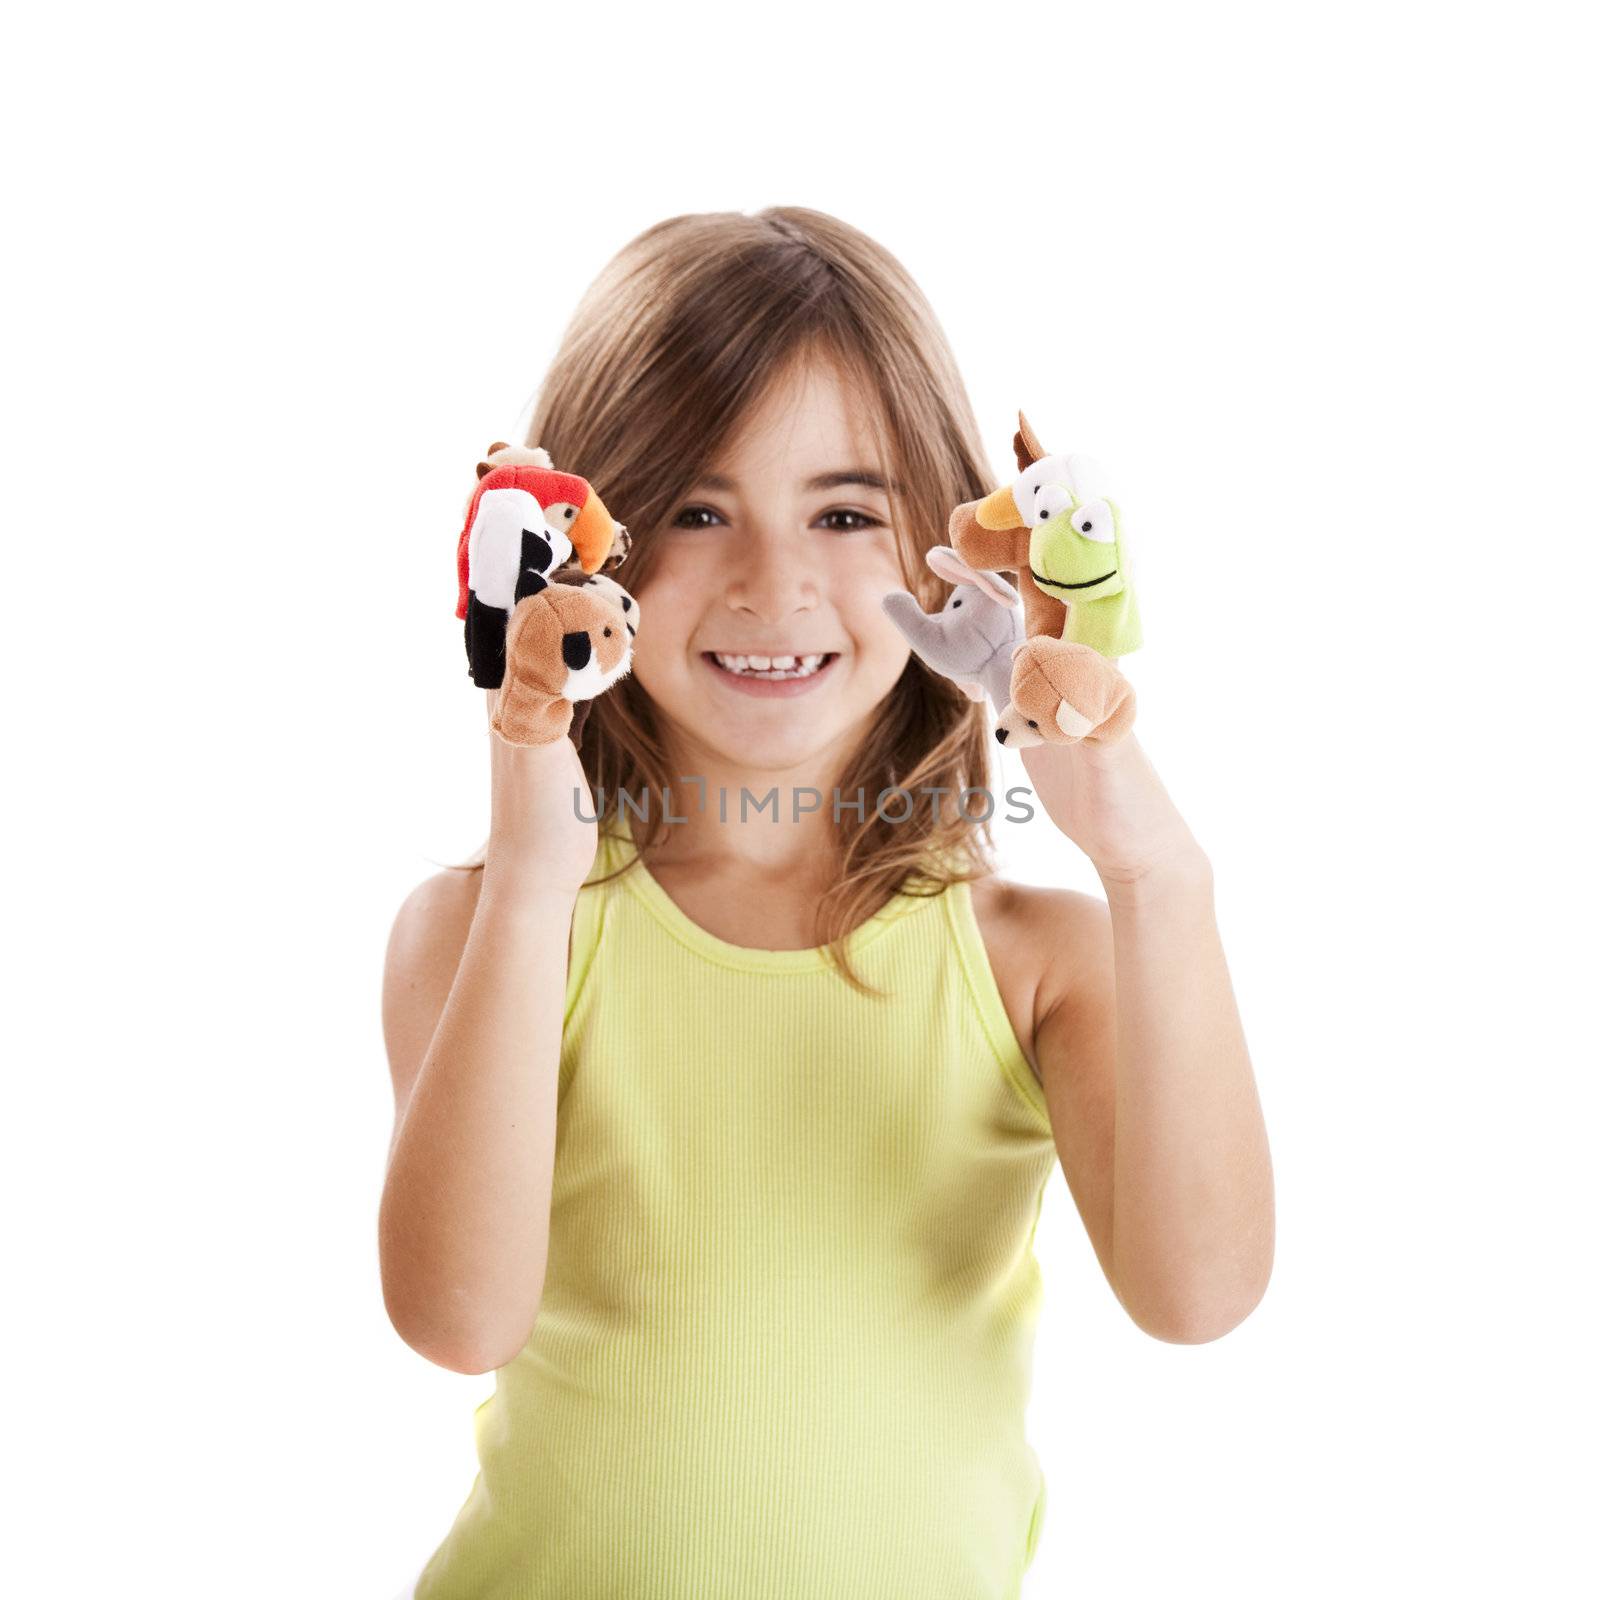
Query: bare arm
1154, 1102
1144, 1063
474, 993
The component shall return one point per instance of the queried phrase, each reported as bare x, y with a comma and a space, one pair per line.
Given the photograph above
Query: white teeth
771, 668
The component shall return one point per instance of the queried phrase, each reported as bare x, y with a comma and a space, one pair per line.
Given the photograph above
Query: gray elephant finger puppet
971, 639
1058, 531
546, 624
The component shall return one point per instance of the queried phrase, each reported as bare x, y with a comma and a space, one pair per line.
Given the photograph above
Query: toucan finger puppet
524, 521
546, 625
1055, 528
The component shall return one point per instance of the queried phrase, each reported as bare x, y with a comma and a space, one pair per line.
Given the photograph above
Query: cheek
668, 609
663, 601
861, 592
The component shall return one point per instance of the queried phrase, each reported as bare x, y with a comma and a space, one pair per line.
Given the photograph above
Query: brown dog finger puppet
566, 644
1057, 530
524, 521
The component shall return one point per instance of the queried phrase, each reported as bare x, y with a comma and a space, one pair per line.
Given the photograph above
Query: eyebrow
823, 480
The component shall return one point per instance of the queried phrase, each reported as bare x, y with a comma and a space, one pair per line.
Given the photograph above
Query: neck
771, 819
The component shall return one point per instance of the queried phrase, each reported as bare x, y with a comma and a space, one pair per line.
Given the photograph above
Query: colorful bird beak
999, 510
593, 533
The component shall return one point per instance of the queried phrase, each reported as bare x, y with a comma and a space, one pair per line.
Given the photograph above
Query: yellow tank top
785, 1344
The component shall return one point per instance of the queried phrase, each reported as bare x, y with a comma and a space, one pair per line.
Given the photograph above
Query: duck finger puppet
971, 639
564, 645
524, 521
1062, 536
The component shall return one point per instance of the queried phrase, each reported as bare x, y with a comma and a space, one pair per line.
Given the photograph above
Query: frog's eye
1095, 521
1043, 501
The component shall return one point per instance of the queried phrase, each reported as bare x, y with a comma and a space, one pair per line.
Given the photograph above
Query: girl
723, 1121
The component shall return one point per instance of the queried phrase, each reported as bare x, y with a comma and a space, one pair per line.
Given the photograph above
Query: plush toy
1062, 537
523, 521
564, 645
545, 623
971, 639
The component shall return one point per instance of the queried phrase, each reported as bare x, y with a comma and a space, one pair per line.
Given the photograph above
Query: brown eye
689, 511
862, 520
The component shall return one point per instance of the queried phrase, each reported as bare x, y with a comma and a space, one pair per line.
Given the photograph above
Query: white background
1317, 288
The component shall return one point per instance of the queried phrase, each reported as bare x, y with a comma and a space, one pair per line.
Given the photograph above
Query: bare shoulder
432, 925
1043, 945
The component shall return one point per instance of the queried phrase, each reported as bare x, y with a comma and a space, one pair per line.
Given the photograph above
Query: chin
776, 752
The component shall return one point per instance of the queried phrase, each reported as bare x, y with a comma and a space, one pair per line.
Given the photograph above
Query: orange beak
593, 533
999, 510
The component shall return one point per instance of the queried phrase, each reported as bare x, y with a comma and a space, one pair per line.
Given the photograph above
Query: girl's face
780, 551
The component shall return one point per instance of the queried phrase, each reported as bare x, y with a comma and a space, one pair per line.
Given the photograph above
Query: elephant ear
973, 691
949, 566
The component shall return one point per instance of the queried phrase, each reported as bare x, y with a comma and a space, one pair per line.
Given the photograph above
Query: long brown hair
676, 337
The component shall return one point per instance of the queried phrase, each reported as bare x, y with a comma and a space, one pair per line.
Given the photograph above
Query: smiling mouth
771, 669
1088, 583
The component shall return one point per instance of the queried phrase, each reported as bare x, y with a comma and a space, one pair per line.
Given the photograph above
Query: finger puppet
564, 645
546, 624
517, 455
1062, 537
971, 639
524, 521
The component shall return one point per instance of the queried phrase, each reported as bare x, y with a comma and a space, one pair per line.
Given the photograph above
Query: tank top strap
588, 919
988, 1003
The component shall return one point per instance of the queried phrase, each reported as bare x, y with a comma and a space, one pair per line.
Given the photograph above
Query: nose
773, 578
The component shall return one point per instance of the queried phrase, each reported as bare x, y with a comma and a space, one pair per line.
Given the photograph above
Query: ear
952, 568
944, 561
997, 589
1026, 445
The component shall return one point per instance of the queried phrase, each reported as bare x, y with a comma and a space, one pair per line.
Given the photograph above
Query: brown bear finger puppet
1062, 692
524, 521
565, 644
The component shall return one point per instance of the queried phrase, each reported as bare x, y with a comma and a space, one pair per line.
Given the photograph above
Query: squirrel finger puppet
1062, 536
545, 623
972, 638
